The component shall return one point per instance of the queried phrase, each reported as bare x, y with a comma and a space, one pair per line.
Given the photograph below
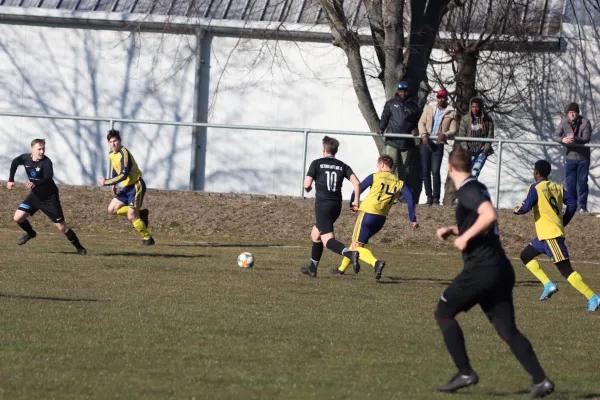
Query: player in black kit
487, 279
43, 196
328, 174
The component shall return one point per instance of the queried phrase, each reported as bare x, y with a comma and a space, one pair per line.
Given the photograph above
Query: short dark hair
38, 141
113, 133
331, 145
543, 168
386, 160
460, 159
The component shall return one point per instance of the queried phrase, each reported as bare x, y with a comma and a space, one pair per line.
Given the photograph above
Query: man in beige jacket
437, 124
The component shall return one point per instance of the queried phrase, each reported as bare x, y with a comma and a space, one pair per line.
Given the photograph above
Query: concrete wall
89, 72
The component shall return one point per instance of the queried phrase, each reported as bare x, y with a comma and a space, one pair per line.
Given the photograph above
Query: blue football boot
549, 289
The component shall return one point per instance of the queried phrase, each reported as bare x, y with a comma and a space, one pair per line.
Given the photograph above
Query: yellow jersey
124, 169
546, 199
384, 188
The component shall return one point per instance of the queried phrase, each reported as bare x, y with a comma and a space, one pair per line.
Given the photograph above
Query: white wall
88, 72
95, 73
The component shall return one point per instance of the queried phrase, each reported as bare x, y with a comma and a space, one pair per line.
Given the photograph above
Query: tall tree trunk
466, 74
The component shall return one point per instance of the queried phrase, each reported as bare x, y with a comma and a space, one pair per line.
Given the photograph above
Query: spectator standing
477, 124
400, 115
574, 129
437, 123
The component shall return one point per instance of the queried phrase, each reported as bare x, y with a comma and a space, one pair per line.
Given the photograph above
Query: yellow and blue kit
126, 172
546, 199
373, 211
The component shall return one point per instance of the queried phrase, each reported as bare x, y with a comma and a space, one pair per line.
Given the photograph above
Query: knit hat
573, 107
442, 93
402, 85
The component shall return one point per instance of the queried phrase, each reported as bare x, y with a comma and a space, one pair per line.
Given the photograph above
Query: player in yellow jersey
129, 200
373, 211
546, 199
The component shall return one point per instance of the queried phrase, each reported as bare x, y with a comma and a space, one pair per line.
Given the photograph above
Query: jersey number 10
331, 180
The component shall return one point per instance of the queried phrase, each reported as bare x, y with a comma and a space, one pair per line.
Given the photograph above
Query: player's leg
499, 309
331, 243
358, 228
316, 253
460, 295
371, 224
563, 264
528, 255
53, 210
117, 206
135, 199
20, 219
26, 208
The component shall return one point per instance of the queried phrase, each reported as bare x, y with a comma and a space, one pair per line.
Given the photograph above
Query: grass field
181, 320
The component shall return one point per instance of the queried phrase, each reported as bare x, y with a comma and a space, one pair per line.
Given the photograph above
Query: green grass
182, 321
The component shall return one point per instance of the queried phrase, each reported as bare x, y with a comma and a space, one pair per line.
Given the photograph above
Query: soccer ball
245, 260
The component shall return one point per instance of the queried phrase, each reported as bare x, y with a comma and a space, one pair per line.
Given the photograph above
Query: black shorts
483, 285
326, 214
50, 206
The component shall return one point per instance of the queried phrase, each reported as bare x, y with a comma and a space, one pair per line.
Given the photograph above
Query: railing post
112, 124
498, 171
304, 155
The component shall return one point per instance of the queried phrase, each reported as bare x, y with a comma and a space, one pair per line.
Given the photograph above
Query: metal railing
305, 132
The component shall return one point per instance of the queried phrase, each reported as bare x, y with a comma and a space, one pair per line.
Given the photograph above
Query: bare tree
486, 51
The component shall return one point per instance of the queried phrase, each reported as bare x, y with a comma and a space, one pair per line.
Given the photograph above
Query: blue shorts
133, 195
367, 225
553, 248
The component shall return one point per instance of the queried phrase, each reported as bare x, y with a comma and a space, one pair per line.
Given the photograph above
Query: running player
546, 199
373, 211
328, 174
487, 279
44, 194
129, 200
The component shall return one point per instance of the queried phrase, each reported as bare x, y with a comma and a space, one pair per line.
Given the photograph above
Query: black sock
523, 351
336, 246
26, 226
455, 343
317, 252
73, 239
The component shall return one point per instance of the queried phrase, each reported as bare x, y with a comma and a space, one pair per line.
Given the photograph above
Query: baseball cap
442, 93
403, 85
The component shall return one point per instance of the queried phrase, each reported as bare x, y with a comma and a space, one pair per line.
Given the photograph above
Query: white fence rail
304, 131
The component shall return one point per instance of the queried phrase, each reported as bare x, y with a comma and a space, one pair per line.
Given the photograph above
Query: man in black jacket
400, 115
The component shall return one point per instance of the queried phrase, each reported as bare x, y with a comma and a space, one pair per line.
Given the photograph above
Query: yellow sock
536, 270
139, 226
577, 282
123, 211
366, 255
345, 264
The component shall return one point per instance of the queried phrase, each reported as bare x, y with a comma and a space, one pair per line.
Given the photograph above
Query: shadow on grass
24, 297
154, 255
396, 280
206, 244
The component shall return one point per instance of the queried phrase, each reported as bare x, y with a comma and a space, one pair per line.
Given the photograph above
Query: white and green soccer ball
245, 260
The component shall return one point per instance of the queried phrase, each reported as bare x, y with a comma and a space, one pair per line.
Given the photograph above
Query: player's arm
310, 176
13, 170
571, 204
444, 232
126, 164
356, 183
528, 203
407, 196
364, 184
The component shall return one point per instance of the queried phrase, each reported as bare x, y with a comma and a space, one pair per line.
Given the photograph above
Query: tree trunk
466, 75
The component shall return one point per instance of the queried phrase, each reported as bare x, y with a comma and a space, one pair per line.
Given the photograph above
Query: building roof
544, 17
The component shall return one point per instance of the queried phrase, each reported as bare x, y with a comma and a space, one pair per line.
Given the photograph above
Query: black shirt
484, 248
39, 172
328, 174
